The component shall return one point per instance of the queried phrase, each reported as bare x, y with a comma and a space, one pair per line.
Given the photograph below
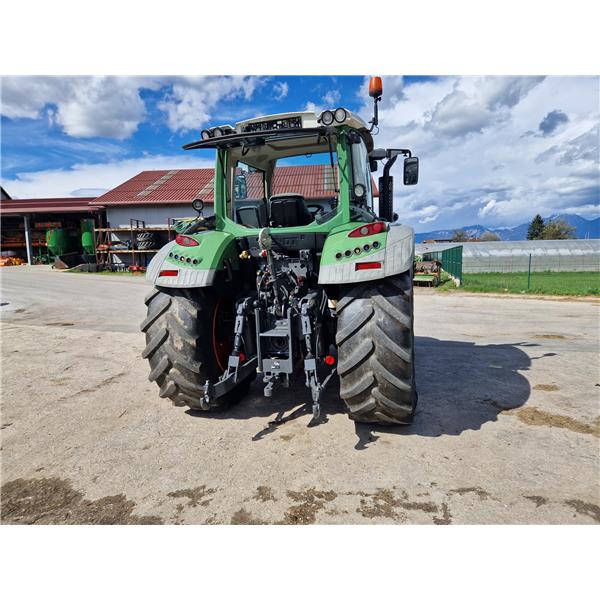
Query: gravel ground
507, 428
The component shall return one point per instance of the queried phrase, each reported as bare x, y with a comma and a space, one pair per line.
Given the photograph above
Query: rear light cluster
185, 259
369, 229
366, 248
367, 265
186, 240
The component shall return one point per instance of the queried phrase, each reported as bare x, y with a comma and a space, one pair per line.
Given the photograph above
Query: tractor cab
292, 170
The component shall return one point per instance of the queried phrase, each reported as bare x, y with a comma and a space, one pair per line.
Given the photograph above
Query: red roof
15, 206
184, 185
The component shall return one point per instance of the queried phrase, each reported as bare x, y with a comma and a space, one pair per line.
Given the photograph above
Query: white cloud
332, 98
476, 163
113, 107
85, 106
312, 107
280, 90
457, 114
86, 178
190, 102
329, 100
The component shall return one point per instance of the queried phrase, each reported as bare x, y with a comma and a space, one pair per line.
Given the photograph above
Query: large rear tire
376, 350
184, 346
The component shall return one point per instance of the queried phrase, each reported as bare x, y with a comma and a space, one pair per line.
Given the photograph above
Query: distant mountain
584, 228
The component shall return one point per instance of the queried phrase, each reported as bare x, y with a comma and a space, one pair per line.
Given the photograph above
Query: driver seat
288, 210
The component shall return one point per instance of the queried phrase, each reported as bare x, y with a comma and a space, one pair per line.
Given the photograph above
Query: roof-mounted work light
327, 117
340, 115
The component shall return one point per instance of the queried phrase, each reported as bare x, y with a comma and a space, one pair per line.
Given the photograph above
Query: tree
489, 236
536, 228
459, 236
558, 230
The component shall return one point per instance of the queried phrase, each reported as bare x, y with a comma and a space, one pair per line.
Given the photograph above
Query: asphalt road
506, 432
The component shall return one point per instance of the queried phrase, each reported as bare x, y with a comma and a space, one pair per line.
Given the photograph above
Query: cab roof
282, 125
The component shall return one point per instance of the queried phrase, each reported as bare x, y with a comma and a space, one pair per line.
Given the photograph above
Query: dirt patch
308, 503
383, 503
546, 387
243, 517
585, 508
481, 493
380, 504
446, 518
539, 500
286, 437
534, 416
264, 494
195, 495
54, 501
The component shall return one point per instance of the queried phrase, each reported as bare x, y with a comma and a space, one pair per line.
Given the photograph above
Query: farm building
28, 224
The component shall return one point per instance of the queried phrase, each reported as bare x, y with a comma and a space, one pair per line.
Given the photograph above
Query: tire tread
376, 350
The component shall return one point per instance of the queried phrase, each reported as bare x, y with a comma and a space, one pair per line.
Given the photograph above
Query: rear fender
395, 254
216, 251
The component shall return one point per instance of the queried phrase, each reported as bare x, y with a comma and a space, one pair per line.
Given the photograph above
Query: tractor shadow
286, 405
461, 386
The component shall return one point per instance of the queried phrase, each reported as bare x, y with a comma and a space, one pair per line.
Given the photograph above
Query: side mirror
373, 165
411, 170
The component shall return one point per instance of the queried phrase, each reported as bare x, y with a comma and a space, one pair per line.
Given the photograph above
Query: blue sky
494, 150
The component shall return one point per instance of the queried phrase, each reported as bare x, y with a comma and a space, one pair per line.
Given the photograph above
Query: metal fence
524, 256
451, 259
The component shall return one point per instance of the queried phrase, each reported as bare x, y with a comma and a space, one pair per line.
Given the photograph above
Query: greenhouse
539, 255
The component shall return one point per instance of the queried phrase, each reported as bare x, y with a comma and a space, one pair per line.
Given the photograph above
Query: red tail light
369, 229
367, 265
186, 240
169, 273
330, 360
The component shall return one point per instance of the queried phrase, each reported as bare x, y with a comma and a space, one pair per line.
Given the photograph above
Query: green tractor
281, 286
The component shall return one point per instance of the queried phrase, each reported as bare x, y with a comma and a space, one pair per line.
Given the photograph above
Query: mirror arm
404, 151
375, 120
388, 165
